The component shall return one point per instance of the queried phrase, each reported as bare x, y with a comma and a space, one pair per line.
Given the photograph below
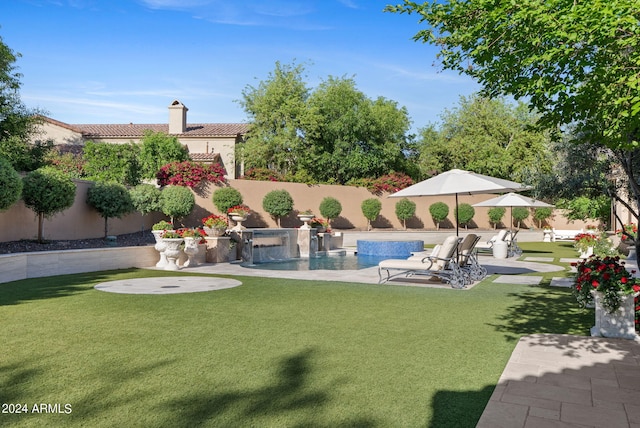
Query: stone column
307, 242
218, 249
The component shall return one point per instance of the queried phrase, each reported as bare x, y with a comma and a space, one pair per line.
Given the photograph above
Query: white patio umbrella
512, 200
457, 181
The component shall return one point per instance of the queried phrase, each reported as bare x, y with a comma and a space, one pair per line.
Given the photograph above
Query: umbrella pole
457, 233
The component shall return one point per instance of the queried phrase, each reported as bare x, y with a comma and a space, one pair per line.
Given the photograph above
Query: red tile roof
134, 130
205, 157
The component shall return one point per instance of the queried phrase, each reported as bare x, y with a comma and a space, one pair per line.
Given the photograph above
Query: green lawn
270, 353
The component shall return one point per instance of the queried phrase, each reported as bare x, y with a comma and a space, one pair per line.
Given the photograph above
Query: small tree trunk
105, 227
40, 227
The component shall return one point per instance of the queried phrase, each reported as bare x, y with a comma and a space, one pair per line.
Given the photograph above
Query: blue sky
119, 61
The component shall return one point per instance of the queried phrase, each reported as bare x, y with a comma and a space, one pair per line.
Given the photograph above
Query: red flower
595, 283
636, 288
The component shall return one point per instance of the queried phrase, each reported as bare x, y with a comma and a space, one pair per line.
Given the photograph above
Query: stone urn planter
215, 231
160, 247
305, 218
238, 218
191, 250
619, 324
172, 252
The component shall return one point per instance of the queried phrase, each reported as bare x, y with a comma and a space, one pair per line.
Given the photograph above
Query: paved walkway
568, 381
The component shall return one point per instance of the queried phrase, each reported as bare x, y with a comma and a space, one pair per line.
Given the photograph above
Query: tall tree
158, 149
334, 133
276, 110
486, 136
18, 124
575, 61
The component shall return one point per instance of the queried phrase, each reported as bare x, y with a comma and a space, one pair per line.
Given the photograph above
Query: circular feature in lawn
167, 285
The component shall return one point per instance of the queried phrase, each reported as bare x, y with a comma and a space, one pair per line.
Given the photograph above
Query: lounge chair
513, 248
487, 247
468, 260
442, 265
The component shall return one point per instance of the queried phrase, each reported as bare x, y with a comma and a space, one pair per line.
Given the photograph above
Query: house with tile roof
207, 142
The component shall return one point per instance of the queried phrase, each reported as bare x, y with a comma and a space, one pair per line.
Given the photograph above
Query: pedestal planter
160, 247
172, 252
305, 218
620, 324
191, 249
215, 231
238, 218
586, 253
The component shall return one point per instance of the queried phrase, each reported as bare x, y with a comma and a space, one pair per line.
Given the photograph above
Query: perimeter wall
82, 221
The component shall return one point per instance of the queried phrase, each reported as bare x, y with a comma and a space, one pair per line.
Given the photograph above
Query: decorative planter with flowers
158, 230
305, 217
584, 242
172, 240
215, 225
239, 213
613, 288
192, 238
628, 236
321, 224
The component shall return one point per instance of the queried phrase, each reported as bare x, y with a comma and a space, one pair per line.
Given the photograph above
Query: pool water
346, 262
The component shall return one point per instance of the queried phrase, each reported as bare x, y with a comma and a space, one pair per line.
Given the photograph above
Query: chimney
177, 118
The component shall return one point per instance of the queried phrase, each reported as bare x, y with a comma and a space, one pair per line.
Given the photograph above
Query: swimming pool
333, 262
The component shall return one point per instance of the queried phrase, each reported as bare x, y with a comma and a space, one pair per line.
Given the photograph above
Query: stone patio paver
562, 282
518, 279
539, 259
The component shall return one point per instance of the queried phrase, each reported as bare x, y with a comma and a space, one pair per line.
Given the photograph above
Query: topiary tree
464, 214
46, 192
541, 214
177, 202
371, 209
439, 212
10, 185
519, 214
495, 215
405, 209
145, 199
110, 200
330, 208
278, 203
225, 198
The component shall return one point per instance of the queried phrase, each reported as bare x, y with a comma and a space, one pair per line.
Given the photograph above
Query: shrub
47, 192
330, 208
439, 212
189, 174
176, 202
519, 214
496, 214
158, 149
278, 203
390, 183
10, 185
110, 200
262, 174
405, 209
69, 163
541, 214
464, 213
145, 199
371, 210
225, 198
112, 162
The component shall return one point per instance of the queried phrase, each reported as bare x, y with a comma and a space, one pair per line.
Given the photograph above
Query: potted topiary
330, 208
371, 210
278, 203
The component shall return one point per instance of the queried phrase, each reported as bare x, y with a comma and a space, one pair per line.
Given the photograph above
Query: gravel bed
128, 240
